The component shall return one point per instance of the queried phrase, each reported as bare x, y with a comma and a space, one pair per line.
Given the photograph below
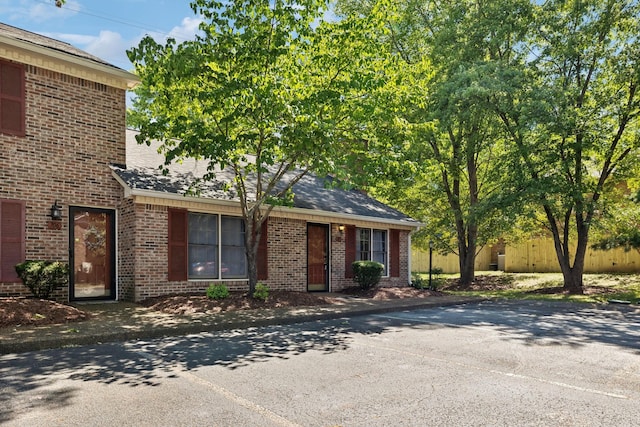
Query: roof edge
112, 75
132, 192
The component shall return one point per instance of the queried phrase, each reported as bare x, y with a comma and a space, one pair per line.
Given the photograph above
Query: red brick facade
73, 129
144, 271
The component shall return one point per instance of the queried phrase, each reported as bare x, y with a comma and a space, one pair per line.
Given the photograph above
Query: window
203, 246
372, 245
213, 254
208, 246
234, 259
12, 99
12, 238
363, 244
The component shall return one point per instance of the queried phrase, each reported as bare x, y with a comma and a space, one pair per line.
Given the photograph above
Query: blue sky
104, 28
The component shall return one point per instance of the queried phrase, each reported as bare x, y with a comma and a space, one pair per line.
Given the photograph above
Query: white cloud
40, 12
107, 45
183, 32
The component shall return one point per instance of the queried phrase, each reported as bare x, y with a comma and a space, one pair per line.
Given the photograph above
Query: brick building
75, 187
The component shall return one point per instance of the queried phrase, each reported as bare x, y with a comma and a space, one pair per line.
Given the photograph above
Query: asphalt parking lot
489, 364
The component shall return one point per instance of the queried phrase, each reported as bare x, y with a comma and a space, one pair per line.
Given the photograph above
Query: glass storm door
317, 257
92, 254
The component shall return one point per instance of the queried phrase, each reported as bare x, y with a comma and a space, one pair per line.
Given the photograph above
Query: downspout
409, 259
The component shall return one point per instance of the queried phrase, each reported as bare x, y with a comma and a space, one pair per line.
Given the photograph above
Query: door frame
327, 253
111, 215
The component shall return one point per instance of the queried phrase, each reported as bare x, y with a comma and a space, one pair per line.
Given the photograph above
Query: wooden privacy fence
533, 256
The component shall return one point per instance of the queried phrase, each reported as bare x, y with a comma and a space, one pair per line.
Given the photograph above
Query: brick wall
74, 129
287, 255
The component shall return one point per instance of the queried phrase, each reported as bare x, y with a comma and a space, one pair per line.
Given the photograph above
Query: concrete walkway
122, 321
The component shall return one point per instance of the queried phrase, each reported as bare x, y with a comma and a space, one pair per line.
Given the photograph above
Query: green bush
367, 273
219, 291
421, 281
43, 277
261, 292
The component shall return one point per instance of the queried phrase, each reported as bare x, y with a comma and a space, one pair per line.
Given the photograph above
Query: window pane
203, 229
363, 245
234, 257
380, 248
203, 246
232, 231
234, 263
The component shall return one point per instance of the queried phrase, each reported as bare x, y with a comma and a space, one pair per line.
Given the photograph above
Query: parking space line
182, 372
272, 416
503, 373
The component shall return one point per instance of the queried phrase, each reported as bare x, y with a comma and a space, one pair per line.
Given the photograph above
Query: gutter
128, 80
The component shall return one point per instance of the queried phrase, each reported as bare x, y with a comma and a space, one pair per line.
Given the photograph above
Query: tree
453, 140
268, 90
571, 110
620, 225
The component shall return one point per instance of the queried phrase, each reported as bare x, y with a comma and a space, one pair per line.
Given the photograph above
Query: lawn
599, 288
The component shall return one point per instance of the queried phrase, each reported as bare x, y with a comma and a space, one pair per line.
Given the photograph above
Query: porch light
56, 211
341, 228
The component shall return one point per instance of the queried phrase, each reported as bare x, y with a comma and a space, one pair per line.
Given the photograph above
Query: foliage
421, 281
620, 227
570, 107
367, 274
261, 292
217, 291
268, 91
447, 167
43, 277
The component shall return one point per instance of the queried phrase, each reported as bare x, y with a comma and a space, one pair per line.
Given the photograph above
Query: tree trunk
253, 231
572, 274
467, 266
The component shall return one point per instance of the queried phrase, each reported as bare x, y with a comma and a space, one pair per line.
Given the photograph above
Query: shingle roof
43, 41
311, 192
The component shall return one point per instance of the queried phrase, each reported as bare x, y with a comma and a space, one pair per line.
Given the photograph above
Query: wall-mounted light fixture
56, 211
341, 228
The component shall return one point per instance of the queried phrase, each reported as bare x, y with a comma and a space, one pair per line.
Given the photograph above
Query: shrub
421, 281
43, 277
219, 291
418, 282
261, 292
367, 273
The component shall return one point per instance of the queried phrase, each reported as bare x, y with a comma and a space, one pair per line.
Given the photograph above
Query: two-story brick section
75, 186
62, 122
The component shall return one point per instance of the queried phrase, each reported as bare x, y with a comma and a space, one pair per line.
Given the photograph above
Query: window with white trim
372, 245
216, 247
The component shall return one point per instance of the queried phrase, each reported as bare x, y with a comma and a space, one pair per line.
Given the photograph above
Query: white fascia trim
130, 80
129, 192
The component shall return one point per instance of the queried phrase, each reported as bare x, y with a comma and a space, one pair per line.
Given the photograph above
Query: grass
599, 288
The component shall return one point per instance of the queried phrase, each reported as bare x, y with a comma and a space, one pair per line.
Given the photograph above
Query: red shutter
12, 99
177, 245
12, 238
263, 254
394, 256
349, 250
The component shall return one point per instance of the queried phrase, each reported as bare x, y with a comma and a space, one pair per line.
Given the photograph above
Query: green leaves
268, 90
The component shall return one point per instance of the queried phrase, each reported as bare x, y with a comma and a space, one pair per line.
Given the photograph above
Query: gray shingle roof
43, 41
311, 192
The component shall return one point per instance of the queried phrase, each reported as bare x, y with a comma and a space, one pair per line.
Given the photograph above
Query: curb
235, 320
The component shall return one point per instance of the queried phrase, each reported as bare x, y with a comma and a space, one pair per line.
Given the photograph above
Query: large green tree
268, 90
571, 110
452, 175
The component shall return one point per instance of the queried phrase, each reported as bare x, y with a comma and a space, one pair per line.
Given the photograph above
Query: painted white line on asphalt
506, 374
224, 392
237, 399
